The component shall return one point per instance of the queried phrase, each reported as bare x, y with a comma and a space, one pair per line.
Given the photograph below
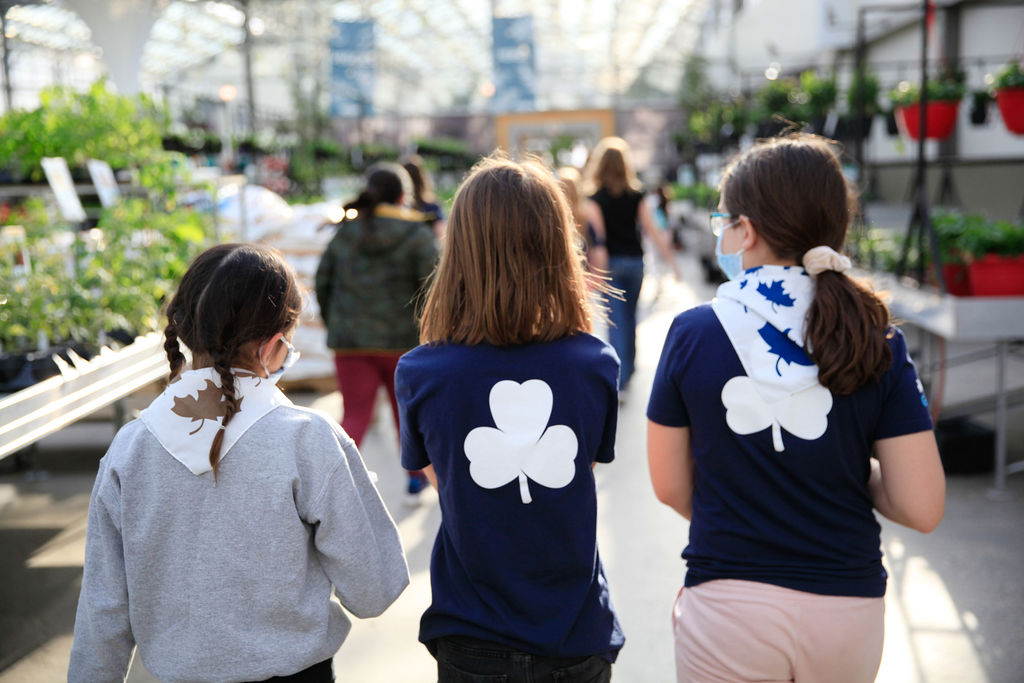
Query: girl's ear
268, 347
749, 232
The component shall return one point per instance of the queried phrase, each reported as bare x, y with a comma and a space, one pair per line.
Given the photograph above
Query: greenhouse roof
435, 54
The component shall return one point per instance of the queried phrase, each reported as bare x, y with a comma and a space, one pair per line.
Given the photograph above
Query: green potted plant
1009, 94
994, 251
818, 97
944, 94
776, 106
980, 99
862, 93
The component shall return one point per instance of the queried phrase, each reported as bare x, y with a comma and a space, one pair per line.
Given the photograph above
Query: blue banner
352, 68
515, 70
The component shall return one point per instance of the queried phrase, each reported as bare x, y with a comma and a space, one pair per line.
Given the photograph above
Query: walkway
955, 605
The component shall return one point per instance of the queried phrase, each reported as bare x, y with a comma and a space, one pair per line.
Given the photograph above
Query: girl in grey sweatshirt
222, 518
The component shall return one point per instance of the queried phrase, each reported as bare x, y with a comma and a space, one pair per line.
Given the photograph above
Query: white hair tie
821, 259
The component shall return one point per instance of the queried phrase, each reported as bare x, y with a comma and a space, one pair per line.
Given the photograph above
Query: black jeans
468, 660
318, 673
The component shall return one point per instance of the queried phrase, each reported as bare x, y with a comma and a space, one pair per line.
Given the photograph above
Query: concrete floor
954, 608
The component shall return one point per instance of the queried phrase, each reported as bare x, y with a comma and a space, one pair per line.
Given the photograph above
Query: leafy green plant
948, 86
820, 93
97, 124
777, 98
864, 84
1011, 76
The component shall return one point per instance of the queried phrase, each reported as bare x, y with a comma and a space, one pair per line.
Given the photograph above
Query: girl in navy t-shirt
507, 405
765, 412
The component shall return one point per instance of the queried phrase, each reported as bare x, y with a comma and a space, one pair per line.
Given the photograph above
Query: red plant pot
957, 281
1011, 107
996, 275
940, 118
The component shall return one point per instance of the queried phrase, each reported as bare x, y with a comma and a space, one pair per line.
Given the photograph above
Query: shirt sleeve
666, 405
414, 453
606, 451
103, 638
905, 408
359, 546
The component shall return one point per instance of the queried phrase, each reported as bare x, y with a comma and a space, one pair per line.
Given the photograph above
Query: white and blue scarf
186, 417
764, 315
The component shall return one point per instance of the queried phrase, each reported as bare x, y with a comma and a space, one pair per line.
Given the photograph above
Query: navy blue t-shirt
801, 518
512, 433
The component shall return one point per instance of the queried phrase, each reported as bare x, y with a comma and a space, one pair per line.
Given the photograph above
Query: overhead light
257, 26
227, 92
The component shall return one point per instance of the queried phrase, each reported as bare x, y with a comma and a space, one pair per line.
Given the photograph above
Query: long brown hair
611, 167
233, 295
510, 270
795, 194
570, 178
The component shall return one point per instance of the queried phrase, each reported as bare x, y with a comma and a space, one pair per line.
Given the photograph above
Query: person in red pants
367, 285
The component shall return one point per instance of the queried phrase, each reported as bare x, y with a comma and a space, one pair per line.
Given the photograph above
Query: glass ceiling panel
589, 52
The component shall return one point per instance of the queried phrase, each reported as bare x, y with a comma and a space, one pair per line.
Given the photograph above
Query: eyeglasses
720, 222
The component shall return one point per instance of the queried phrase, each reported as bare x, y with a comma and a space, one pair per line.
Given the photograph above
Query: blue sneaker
417, 482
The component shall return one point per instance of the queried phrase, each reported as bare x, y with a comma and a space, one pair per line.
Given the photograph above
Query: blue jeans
628, 275
469, 660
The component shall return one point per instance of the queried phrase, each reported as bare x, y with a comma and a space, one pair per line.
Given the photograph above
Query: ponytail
847, 327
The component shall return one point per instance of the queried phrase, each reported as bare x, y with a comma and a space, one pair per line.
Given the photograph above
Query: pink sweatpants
728, 631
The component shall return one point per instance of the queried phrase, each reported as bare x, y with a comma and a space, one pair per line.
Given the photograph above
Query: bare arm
431, 475
907, 484
643, 215
670, 461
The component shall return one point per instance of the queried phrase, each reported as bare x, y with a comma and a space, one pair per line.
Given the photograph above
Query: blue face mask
731, 264
289, 361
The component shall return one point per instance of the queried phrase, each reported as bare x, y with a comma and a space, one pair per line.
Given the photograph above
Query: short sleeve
666, 405
606, 450
414, 453
905, 407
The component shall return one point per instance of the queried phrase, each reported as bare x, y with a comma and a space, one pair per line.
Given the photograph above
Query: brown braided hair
794, 192
233, 295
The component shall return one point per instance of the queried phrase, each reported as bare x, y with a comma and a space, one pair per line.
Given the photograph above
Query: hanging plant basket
996, 275
1011, 107
940, 118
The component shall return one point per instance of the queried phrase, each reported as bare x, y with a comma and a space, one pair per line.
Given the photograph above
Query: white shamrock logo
803, 414
522, 446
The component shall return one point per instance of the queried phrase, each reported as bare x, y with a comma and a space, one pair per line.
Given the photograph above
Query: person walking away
508, 405
423, 198
782, 415
222, 519
617, 210
367, 285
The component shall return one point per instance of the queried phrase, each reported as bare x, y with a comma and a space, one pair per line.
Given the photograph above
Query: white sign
59, 177
103, 179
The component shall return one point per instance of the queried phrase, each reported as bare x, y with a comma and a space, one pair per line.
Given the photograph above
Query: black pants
468, 660
318, 673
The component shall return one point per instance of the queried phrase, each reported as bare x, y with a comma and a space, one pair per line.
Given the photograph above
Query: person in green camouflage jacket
367, 285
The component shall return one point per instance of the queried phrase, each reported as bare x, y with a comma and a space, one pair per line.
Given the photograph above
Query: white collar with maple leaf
187, 415
764, 314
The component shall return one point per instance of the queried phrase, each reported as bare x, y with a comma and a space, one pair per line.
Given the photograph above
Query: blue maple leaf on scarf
744, 284
775, 294
783, 347
754, 269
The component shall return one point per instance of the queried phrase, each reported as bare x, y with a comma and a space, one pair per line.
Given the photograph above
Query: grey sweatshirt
232, 581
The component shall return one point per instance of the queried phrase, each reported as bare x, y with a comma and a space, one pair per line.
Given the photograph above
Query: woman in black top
617, 211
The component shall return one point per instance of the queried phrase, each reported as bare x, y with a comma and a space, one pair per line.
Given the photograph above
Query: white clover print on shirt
803, 414
522, 446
